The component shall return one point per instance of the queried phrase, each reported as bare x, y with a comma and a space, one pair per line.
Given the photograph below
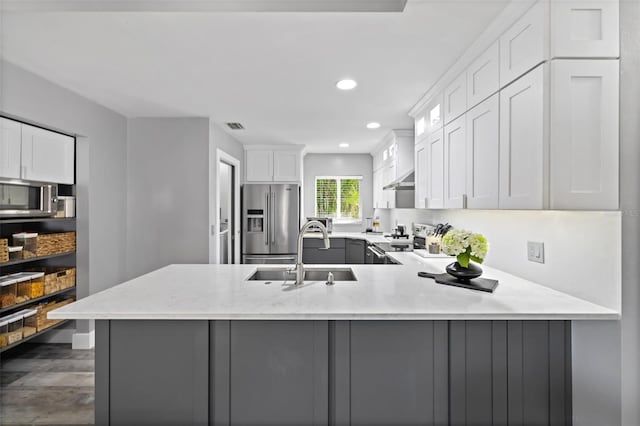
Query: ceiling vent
235, 126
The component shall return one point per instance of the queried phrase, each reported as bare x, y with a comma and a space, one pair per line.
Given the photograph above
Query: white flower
457, 241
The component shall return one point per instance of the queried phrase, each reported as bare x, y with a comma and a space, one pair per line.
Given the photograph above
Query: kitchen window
339, 197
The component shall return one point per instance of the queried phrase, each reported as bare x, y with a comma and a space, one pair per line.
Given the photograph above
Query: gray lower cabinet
355, 251
333, 373
315, 253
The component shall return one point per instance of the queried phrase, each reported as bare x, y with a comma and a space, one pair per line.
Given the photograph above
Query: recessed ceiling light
346, 84
373, 125
344, 145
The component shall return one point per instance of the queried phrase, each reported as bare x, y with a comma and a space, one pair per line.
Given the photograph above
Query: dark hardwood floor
46, 384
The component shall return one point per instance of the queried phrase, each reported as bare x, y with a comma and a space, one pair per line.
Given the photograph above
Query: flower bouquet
467, 247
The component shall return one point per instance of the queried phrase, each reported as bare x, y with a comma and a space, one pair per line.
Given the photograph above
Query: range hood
405, 182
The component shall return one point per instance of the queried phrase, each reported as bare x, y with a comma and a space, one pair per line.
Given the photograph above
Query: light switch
535, 251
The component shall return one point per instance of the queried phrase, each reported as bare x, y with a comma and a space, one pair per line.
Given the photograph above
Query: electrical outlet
535, 251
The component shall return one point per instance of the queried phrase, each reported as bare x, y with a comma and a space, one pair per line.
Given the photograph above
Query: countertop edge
344, 317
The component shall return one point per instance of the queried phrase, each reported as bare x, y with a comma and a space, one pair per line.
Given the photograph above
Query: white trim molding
83, 340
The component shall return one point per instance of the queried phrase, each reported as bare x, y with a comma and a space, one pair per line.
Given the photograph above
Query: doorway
226, 223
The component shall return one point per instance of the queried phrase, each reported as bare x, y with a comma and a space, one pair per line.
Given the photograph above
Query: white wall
340, 165
101, 170
167, 192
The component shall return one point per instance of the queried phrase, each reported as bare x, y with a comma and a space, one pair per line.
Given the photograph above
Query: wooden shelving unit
39, 333
67, 259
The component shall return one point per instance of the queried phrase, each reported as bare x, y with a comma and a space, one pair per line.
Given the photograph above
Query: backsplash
582, 249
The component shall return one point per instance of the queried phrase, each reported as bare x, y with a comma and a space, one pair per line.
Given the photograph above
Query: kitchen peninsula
200, 344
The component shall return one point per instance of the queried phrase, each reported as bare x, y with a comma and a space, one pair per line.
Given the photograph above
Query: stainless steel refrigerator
270, 223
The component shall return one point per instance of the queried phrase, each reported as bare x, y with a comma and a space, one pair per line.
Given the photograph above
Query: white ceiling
273, 72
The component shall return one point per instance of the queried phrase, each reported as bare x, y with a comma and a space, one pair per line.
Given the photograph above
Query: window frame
338, 178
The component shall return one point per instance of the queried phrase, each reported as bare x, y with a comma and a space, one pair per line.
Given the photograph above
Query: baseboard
84, 340
58, 335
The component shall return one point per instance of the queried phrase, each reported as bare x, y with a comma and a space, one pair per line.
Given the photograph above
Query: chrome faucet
299, 265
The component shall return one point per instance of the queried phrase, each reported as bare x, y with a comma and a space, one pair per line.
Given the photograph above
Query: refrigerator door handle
266, 220
273, 214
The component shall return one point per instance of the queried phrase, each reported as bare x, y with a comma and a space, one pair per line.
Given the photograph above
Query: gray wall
341, 165
101, 170
630, 206
219, 139
167, 192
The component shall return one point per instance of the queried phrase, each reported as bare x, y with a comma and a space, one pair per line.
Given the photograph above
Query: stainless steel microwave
326, 221
28, 199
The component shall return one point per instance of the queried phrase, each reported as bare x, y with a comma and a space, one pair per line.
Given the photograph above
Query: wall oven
27, 199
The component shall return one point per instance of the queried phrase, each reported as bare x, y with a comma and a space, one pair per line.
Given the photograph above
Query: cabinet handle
387, 204
266, 219
273, 217
464, 201
426, 202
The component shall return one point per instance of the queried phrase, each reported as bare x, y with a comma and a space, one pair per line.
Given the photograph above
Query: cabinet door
397, 373
420, 125
585, 29
434, 113
435, 170
355, 252
421, 175
389, 195
584, 135
259, 165
455, 164
286, 166
278, 373
455, 98
524, 45
47, 156
523, 143
483, 76
10, 141
483, 135
376, 189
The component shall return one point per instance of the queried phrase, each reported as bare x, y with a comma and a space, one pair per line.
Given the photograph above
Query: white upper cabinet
420, 125
433, 114
525, 44
47, 156
286, 166
585, 29
455, 98
377, 189
258, 165
421, 175
483, 136
10, 143
435, 170
388, 196
455, 166
584, 135
524, 143
266, 164
483, 76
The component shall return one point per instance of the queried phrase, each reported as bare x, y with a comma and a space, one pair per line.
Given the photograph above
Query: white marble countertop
194, 292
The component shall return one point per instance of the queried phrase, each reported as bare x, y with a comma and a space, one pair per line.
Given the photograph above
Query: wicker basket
49, 244
42, 321
4, 250
56, 279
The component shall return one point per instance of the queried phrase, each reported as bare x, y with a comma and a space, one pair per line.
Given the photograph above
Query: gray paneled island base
389, 349
333, 372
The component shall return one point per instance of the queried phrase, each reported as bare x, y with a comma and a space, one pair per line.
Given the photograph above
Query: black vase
464, 274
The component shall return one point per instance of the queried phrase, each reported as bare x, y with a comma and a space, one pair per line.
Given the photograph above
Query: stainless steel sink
310, 274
